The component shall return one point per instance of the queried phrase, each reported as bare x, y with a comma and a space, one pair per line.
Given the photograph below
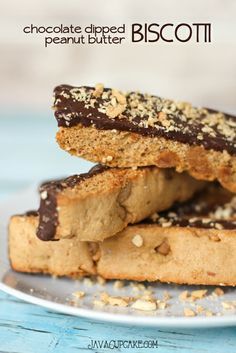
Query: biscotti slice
134, 129
192, 244
68, 257
102, 202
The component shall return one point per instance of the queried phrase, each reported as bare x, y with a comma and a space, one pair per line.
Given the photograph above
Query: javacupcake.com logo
170, 32
125, 344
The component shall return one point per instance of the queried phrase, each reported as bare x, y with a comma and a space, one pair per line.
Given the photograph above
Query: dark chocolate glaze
31, 213
48, 214
71, 112
202, 206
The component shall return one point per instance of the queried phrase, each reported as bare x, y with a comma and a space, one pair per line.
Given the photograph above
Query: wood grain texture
26, 328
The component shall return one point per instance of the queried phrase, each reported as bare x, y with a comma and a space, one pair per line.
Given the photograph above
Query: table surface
29, 154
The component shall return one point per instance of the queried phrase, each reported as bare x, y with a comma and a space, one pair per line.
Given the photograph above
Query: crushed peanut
145, 305
199, 294
219, 291
118, 284
163, 249
99, 87
189, 312
79, 294
137, 240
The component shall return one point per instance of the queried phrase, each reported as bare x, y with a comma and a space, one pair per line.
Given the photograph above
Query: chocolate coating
203, 211
189, 125
48, 214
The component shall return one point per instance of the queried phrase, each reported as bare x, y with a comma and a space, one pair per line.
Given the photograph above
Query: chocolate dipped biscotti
27, 253
133, 129
194, 243
102, 202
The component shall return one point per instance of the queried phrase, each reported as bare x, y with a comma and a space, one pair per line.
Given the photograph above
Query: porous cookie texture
133, 129
194, 243
102, 202
27, 253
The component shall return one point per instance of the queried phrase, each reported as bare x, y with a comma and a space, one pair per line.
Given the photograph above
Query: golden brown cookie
134, 129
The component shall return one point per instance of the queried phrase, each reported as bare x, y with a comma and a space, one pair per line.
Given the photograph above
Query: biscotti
194, 243
134, 129
102, 202
67, 257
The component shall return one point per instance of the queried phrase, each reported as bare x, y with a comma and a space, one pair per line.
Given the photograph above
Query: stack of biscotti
146, 211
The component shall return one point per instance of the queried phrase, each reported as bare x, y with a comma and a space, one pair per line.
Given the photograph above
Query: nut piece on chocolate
170, 247
102, 202
133, 129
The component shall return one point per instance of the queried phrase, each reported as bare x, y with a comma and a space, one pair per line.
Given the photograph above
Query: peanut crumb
118, 284
88, 282
189, 312
99, 87
199, 309
161, 304
227, 305
184, 295
144, 305
219, 291
209, 313
101, 280
199, 294
79, 294
98, 303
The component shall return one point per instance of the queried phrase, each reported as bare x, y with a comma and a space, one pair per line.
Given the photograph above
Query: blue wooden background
29, 154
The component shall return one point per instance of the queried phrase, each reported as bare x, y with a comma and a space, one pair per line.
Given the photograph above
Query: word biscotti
193, 243
133, 129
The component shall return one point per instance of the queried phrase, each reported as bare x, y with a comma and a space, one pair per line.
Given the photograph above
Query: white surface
56, 294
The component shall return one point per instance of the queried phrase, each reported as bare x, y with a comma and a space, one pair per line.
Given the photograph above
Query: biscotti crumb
117, 301
209, 313
166, 296
114, 301
161, 304
118, 284
199, 309
137, 287
184, 295
189, 312
79, 294
137, 240
227, 305
88, 282
98, 303
199, 294
104, 297
145, 305
219, 291
101, 280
